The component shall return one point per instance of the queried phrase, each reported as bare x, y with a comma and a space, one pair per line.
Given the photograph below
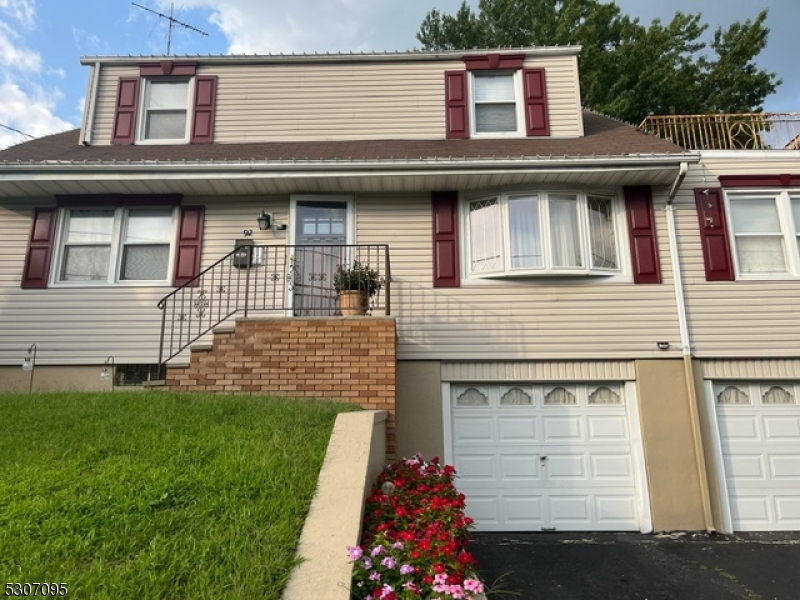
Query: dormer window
168, 103
495, 105
496, 96
165, 106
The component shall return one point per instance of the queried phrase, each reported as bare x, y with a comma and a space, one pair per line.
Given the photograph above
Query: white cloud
22, 11
272, 26
31, 113
26, 105
15, 57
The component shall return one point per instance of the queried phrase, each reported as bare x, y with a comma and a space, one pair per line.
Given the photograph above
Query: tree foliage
627, 70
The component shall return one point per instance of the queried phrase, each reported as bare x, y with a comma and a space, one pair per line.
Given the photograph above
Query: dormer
526, 93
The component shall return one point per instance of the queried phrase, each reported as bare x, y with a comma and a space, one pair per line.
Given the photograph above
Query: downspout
686, 350
91, 99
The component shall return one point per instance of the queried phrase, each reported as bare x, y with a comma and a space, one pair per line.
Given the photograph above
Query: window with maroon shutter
190, 242
642, 232
714, 234
537, 120
124, 131
40, 249
445, 239
205, 105
456, 108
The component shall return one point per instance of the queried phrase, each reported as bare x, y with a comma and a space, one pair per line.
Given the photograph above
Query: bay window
764, 228
542, 233
115, 245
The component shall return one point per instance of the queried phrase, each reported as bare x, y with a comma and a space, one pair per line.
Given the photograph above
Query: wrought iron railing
285, 280
745, 131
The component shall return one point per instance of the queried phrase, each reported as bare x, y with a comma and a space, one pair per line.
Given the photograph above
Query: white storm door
759, 437
545, 457
322, 230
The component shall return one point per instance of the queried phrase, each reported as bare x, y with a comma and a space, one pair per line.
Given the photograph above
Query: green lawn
157, 495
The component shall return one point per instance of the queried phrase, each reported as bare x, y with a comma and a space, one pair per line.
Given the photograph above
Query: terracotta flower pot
353, 303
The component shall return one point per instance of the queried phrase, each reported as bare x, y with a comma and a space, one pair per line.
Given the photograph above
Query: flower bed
415, 535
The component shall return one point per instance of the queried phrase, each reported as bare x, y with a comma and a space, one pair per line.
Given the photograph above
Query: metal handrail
298, 280
738, 131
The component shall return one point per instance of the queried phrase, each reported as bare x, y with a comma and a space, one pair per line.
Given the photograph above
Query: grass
157, 495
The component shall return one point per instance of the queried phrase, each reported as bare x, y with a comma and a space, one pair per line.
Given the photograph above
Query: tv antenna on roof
172, 22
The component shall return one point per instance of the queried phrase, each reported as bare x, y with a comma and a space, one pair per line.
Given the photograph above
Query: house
589, 321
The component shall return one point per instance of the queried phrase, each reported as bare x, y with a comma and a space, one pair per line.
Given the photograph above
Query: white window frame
117, 246
790, 231
622, 273
146, 83
516, 75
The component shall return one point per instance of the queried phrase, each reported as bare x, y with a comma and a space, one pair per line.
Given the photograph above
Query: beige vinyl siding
532, 319
539, 371
587, 319
85, 325
69, 325
341, 101
107, 102
760, 369
742, 318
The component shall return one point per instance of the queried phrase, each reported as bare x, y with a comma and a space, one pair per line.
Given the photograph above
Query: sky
43, 85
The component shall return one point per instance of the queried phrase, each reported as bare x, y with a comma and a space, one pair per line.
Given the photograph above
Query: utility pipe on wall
686, 350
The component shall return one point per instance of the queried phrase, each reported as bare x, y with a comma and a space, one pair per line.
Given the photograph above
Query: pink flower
473, 585
355, 552
388, 562
406, 569
377, 550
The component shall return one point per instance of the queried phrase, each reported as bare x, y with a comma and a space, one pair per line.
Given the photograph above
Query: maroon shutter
537, 121
714, 234
455, 101
642, 232
205, 105
190, 243
40, 249
445, 239
125, 117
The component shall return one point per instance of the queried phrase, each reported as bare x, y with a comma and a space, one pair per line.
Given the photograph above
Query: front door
321, 232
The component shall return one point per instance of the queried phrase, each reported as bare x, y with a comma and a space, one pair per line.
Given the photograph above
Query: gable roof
603, 136
610, 153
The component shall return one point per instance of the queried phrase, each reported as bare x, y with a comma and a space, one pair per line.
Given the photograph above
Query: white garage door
544, 457
759, 437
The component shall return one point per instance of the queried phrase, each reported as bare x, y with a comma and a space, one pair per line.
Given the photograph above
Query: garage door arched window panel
732, 395
560, 396
776, 395
604, 395
472, 397
516, 397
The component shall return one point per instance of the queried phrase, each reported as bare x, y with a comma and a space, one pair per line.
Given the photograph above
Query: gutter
686, 351
371, 167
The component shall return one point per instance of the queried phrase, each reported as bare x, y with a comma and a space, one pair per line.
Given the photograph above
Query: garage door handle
542, 459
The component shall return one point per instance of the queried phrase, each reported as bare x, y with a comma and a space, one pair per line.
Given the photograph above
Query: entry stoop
343, 358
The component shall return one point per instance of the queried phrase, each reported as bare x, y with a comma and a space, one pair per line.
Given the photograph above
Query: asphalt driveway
622, 566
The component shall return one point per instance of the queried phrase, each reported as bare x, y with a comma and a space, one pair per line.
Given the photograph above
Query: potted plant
355, 284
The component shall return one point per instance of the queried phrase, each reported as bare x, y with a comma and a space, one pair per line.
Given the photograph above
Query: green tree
627, 70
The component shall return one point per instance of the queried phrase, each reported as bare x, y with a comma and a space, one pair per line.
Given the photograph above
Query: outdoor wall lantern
29, 364
264, 221
105, 373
